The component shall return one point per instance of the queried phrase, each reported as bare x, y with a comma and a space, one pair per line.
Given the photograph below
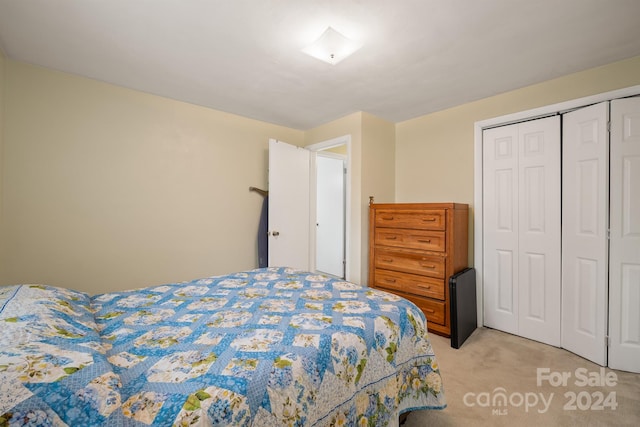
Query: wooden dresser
413, 250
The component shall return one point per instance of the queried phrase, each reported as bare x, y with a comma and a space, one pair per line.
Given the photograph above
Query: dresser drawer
412, 239
422, 219
433, 310
432, 266
410, 283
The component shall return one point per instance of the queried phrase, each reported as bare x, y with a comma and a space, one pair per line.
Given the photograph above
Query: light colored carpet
490, 360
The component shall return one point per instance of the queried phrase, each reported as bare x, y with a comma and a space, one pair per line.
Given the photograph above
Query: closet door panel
500, 185
624, 279
539, 230
584, 233
521, 180
629, 296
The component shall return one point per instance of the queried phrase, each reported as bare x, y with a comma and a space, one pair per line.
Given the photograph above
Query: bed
267, 347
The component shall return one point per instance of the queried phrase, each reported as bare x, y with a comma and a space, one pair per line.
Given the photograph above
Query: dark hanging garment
263, 237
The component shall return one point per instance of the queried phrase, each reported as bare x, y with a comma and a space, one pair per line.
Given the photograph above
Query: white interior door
289, 173
330, 214
500, 204
584, 232
539, 233
521, 202
624, 267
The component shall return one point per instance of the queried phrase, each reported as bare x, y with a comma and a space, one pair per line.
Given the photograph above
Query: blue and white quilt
268, 347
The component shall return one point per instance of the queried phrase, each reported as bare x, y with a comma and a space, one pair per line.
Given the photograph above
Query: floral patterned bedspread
268, 347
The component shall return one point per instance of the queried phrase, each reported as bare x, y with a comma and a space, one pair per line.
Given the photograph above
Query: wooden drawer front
412, 239
433, 310
423, 219
410, 263
410, 283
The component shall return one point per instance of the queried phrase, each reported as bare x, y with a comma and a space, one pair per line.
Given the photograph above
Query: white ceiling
244, 56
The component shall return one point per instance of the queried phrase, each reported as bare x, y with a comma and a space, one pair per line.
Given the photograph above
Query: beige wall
378, 173
107, 188
434, 153
104, 188
378, 159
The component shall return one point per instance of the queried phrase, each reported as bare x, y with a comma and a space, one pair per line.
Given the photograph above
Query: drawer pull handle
424, 240
424, 286
431, 219
390, 280
431, 266
428, 310
387, 259
387, 218
391, 237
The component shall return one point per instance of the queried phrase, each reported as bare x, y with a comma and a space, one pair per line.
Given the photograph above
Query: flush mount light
332, 47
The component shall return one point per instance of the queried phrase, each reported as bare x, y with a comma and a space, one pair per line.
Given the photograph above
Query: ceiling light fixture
332, 47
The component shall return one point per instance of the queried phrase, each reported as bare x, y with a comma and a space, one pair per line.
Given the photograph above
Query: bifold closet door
624, 267
585, 207
500, 204
521, 192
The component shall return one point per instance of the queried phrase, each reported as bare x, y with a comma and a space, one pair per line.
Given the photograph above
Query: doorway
330, 206
330, 213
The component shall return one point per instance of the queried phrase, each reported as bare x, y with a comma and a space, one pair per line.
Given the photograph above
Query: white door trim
477, 185
341, 140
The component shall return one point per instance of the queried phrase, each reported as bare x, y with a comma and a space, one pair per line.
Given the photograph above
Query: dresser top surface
409, 206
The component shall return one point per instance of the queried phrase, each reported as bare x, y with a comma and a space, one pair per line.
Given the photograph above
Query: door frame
479, 126
314, 148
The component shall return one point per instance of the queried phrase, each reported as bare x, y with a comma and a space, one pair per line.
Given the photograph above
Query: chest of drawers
413, 250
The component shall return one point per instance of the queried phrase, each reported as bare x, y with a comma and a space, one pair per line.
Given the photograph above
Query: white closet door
624, 276
539, 231
500, 194
584, 232
521, 167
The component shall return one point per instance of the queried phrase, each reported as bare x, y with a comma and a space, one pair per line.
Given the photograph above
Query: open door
289, 180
